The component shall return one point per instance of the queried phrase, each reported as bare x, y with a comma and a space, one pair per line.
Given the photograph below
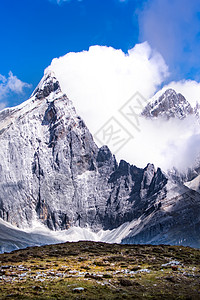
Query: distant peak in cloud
190, 89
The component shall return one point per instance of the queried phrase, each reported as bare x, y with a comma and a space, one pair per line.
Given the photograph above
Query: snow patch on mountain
194, 184
13, 238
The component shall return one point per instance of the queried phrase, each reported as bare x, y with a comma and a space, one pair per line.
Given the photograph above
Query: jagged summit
48, 84
169, 105
48, 89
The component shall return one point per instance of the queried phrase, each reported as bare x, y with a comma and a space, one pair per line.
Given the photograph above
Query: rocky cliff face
52, 170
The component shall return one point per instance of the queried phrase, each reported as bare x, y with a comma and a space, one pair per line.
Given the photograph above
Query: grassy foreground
90, 270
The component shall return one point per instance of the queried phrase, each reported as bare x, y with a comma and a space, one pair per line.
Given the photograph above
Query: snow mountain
168, 105
53, 172
172, 105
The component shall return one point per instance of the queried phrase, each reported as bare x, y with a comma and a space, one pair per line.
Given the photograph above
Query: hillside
89, 270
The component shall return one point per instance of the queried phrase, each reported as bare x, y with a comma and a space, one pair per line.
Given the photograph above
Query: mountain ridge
52, 171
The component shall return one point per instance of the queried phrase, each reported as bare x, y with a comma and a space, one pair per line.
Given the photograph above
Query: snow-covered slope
194, 184
12, 238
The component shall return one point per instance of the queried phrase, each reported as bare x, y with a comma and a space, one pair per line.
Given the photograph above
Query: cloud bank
167, 144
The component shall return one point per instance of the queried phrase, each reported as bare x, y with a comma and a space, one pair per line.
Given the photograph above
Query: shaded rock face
134, 192
176, 223
51, 169
169, 105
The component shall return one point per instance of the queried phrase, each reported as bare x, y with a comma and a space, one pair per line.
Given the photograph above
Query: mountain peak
169, 105
52, 173
47, 85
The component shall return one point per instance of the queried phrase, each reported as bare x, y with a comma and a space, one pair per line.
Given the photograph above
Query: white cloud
3, 105
167, 144
11, 84
2, 78
101, 80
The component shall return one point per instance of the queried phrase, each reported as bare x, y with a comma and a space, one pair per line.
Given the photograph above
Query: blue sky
33, 32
